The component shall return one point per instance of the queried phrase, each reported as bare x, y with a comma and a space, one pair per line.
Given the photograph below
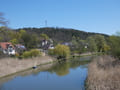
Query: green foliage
44, 36
78, 45
97, 43
22, 31
106, 48
75, 44
62, 51
26, 39
14, 41
31, 53
51, 52
26, 54
92, 47
61, 34
100, 42
115, 45
34, 40
29, 40
5, 34
1, 38
35, 52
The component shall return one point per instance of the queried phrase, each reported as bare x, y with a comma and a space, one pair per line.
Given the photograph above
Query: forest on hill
61, 35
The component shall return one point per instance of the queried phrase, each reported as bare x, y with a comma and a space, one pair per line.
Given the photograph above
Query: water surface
69, 75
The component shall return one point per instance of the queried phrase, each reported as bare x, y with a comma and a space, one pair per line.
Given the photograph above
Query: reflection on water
64, 68
68, 75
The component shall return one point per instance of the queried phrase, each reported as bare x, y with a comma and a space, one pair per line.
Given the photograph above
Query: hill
61, 34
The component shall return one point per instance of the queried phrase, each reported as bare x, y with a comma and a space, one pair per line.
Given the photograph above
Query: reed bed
103, 74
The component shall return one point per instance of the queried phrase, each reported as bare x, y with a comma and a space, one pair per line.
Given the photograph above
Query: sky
100, 16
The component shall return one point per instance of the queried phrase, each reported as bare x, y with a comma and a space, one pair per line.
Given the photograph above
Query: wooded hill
61, 34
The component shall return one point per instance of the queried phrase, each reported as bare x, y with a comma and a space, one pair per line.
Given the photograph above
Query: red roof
5, 44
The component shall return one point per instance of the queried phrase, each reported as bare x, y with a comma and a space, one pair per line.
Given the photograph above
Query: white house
7, 48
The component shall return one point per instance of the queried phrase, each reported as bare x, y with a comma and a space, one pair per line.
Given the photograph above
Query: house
19, 48
7, 48
66, 43
47, 44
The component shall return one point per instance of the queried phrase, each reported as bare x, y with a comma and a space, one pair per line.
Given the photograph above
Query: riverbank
87, 54
103, 74
9, 66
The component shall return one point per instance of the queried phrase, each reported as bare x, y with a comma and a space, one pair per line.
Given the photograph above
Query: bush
31, 53
17, 54
26, 54
62, 51
35, 53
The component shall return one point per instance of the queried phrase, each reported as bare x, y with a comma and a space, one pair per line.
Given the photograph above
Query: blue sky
101, 16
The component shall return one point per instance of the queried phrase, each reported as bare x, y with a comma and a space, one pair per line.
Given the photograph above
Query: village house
19, 48
7, 48
47, 44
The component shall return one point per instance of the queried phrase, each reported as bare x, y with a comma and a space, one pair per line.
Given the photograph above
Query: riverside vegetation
103, 74
103, 71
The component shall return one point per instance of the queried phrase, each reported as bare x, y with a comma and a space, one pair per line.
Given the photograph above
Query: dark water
69, 75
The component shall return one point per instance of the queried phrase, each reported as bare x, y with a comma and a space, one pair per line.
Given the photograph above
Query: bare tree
3, 21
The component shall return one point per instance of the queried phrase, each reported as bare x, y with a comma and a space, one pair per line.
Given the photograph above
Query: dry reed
103, 74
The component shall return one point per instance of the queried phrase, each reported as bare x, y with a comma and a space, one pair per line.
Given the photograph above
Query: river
70, 75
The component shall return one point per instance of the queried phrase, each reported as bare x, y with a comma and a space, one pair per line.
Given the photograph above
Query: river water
70, 75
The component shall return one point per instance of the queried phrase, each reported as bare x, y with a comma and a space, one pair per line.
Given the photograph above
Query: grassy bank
103, 74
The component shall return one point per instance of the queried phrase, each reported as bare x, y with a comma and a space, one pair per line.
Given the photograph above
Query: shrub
62, 51
35, 53
31, 53
17, 54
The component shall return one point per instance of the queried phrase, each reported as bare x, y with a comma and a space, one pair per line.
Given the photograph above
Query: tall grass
103, 74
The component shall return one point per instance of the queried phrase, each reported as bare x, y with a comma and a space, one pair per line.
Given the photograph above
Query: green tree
78, 45
114, 42
5, 33
34, 40
1, 38
62, 51
74, 42
100, 42
30, 41
44, 36
22, 32
26, 39
92, 47
14, 41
